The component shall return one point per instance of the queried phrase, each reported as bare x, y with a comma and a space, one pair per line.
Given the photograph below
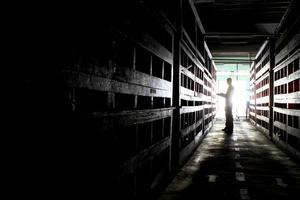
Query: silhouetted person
228, 107
247, 109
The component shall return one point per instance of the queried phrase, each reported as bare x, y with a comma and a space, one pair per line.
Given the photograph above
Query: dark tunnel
122, 99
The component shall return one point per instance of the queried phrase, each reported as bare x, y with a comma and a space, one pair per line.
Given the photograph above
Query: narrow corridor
119, 100
244, 165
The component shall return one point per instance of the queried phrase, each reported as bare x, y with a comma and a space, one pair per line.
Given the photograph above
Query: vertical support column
72, 98
175, 137
112, 67
271, 84
254, 83
134, 67
111, 100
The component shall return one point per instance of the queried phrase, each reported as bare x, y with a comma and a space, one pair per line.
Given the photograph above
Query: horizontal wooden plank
200, 95
262, 129
262, 108
281, 144
109, 120
139, 78
184, 154
287, 61
252, 121
190, 128
293, 131
261, 117
126, 113
200, 136
190, 75
294, 152
288, 47
188, 109
288, 79
207, 106
192, 98
207, 115
191, 44
262, 59
207, 127
252, 82
287, 111
281, 81
186, 92
138, 84
290, 130
263, 46
190, 95
262, 100
133, 163
262, 88
280, 125
207, 50
149, 43
207, 77
287, 98
186, 72
209, 89
164, 21
263, 70
262, 77
294, 76
188, 51
251, 106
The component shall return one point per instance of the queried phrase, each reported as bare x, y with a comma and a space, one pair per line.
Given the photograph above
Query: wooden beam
203, 1
130, 166
284, 19
127, 82
176, 75
271, 84
199, 23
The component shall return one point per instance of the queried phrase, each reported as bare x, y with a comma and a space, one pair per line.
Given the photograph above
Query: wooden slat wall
197, 91
287, 96
260, 92
278, 115
124, 95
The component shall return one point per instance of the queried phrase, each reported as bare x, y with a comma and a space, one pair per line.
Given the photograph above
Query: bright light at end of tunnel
239, 99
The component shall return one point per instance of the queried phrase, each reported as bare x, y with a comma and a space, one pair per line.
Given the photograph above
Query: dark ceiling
239, 27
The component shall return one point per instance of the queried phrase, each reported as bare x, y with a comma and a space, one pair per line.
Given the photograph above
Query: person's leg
229, 120
226, 121
230, 123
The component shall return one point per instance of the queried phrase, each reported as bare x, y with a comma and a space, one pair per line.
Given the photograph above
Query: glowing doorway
240, 81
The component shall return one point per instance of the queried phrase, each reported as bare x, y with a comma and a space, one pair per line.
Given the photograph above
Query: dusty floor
244, 165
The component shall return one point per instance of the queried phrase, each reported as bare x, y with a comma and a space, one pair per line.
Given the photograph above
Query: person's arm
221, 94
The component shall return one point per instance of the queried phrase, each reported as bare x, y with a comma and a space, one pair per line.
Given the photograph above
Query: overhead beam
235, 35
199, 23
267, 9
204, 1
231, 62
260, 3
233, 59
292, 8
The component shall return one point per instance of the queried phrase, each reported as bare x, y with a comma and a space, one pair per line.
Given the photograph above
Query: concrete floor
244, 165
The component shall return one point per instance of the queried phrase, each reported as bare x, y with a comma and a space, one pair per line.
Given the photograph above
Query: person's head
229, 81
